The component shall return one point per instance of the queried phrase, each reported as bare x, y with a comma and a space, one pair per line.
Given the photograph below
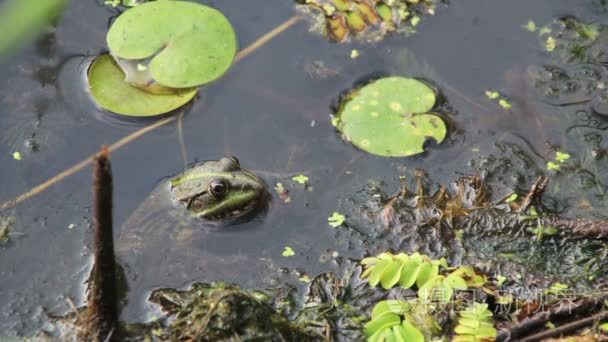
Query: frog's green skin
211, 193
465, 226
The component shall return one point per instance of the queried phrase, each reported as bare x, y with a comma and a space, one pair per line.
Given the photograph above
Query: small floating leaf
17, 155
288, 251
551, 44
551, 166
512, 197
186, 44
300, 179
504, 104
531, 26
336, 219
388, 117
492, 94
561, 156
304, 279
110, 91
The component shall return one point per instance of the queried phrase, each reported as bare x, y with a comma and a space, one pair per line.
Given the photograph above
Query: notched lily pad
110, 91
181, 44
389, 117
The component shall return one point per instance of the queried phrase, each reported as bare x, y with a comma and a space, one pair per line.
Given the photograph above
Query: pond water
272, 111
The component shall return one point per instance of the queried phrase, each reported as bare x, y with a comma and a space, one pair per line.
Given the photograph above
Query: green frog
169, 226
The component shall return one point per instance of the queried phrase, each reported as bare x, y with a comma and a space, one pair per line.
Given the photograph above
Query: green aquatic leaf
108, 89
336, 219
391, 306
475, 324
530, 26
511, 198
184, 44
383, 322
389, 323
288, 251
300, 179
407, 332
391, 275
21, 20
389, 117
561, 156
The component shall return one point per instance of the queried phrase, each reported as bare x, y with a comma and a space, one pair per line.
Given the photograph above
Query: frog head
219, 191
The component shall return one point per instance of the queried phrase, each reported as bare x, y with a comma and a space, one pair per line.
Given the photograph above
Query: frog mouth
233, 213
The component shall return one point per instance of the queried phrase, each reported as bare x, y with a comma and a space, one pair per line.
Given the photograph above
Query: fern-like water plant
389, 324
406, 270
388, 270
475, 325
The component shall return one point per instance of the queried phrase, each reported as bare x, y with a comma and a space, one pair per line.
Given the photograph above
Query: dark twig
102, 296
535, 194
560, 312
567, 328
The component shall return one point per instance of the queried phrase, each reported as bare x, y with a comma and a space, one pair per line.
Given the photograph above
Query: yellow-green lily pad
111, 92
180, 44
389, 117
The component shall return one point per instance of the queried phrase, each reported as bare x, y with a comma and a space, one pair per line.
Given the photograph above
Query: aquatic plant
164, 49
390, 117
365, 19
389, 324
418, 269
475, 325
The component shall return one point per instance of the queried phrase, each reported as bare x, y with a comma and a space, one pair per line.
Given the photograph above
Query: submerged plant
163, 48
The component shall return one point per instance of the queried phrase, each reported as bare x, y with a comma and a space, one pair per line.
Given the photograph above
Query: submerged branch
539, 320
567, 328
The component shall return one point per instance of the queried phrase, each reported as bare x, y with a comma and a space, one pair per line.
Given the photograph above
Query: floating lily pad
388, 117
110, 91
182, 44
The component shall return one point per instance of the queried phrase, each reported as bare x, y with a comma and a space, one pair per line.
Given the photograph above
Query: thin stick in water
102, 293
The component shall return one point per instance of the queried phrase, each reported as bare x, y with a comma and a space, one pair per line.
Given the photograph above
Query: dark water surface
263, 112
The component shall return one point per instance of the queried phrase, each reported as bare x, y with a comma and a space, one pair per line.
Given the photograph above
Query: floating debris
6, 227
368, 20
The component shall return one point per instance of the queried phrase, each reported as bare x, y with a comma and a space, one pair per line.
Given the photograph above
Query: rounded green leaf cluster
110, 91
405, 270
389, 117
389, 270
387, 323
184, 44
475, 325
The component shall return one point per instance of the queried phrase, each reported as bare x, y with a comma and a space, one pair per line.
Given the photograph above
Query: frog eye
218, 188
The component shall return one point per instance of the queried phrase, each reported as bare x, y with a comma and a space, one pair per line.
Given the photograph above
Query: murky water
273, 114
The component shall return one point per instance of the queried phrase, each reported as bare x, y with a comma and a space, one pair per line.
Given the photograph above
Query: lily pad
111, 92
389, 117
182, 44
